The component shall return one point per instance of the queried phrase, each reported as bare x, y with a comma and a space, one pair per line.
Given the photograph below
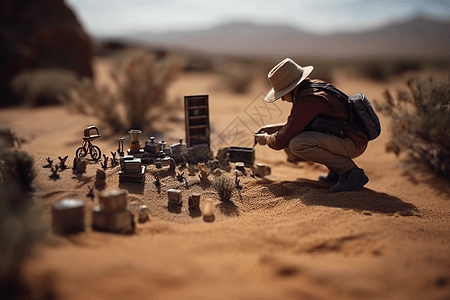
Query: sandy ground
285, 237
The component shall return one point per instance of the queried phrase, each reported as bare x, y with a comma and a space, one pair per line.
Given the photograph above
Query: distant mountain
415, 37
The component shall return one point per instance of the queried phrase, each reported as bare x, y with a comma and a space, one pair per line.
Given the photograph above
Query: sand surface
284, 237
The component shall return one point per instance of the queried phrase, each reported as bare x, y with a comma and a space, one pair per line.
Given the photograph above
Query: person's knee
297, 145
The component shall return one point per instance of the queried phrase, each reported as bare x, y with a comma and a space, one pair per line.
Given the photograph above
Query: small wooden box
68, 216
119, 221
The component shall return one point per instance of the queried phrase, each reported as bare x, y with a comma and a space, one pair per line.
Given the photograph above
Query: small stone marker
143, 213
262, 170
68, 216
174, 196
194, 201
208, 212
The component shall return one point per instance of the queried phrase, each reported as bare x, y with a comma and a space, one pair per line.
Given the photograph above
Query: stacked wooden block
132, 170
113, 213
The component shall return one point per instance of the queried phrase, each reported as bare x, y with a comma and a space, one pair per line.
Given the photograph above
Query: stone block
68, 216
113, 200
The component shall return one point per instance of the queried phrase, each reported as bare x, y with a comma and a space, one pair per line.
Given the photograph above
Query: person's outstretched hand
261, 138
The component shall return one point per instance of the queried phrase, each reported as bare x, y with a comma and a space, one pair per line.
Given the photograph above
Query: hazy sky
110, 17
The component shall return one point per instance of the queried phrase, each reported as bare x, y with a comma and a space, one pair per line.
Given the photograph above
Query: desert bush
384, 69
421, 121
224, 187
43, 86
20, 225
142, 82
17, 167
99, 102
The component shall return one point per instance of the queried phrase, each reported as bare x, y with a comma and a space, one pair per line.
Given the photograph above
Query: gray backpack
361, 112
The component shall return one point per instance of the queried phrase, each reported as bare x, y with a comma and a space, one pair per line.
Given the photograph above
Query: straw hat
284, 77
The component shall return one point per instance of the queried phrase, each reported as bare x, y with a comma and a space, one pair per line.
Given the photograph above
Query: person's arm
272, 128
301, 115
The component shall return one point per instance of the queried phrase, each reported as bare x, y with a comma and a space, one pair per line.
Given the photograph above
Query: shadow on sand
315, 193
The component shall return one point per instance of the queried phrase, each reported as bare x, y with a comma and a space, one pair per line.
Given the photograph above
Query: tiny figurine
49, 163
105, 163
114, 160
194, 201
174, 196
91, 194
68, 216
204, 173
62, 162
120, 146
90, 133
143, 214
172, 165
237, 183
213, 164
157, 183
180, 177
79, 166
224, 159
100, 179
158, 163
55, 175
192, 170
208, 212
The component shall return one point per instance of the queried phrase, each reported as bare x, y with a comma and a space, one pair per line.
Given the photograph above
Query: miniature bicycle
90, 133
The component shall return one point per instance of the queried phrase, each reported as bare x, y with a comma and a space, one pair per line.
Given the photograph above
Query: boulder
37, 35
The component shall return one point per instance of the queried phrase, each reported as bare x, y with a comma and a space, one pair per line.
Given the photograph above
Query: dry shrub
100, 102
224, 187
43, 86
20, 226
142, 83
421, 122
17, 167
384, 69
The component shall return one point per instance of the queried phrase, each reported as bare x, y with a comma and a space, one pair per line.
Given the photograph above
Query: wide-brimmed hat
284, 77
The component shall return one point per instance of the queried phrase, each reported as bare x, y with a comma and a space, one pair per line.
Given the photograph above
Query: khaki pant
326, 149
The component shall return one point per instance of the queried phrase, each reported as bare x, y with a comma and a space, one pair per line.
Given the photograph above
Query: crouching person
317, 128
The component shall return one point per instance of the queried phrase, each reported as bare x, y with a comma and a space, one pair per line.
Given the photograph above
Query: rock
38, 35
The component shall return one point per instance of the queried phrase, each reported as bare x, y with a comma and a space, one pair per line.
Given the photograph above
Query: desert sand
284, 237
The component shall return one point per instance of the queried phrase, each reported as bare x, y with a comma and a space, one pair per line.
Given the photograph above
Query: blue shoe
352, 180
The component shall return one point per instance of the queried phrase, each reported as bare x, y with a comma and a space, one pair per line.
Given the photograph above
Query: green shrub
421, 121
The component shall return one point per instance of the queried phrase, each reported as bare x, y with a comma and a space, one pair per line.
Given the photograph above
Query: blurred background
50, 46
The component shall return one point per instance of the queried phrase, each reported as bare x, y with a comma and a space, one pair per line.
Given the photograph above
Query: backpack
361, 112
